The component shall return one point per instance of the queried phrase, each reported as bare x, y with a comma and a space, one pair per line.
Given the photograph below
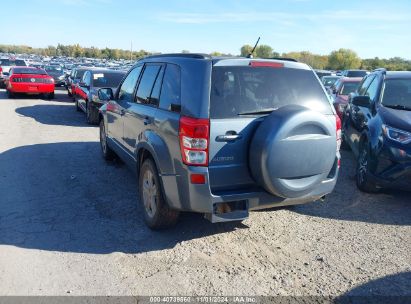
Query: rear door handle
227, 137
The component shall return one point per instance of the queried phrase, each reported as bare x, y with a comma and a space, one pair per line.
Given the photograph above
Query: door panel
117, 108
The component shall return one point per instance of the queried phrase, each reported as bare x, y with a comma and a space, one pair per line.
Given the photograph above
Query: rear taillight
1, 70
338, 130
194, 139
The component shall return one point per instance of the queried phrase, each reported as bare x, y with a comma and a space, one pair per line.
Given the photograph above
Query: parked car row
215, 134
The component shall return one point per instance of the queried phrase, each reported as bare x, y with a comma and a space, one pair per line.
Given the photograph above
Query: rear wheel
77, 106
156, 212
363, 173
50, 96
108, 154
91, 114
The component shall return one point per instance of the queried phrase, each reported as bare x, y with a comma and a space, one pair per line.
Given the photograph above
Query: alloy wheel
362, 166
149, 193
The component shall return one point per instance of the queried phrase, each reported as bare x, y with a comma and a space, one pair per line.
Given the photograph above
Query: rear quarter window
239, 89
170, 98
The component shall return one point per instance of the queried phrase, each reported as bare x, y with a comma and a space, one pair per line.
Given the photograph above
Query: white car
6, 64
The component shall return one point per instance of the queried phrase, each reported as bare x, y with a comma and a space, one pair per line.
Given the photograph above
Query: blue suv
221, 136
377, 127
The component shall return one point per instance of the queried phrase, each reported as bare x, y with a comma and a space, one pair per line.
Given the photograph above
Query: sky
371, 28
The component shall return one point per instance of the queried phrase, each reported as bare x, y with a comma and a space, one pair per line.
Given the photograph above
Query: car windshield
348, 87
29, 71
329, 81
397, 93
240, 90
52, 68
107, 79
356, 73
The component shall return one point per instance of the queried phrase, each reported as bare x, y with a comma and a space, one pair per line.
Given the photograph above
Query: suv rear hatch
244, 92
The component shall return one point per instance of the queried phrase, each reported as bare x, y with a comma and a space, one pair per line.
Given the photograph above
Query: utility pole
131, 50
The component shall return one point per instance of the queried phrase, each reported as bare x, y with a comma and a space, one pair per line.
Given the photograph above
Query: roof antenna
252, 51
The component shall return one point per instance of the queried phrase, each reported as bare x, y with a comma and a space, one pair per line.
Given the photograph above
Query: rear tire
363, 171
157, 213
50, 96
77, 106
108, 154
91, 114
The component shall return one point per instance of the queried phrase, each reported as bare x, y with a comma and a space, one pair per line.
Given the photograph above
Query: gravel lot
70, 224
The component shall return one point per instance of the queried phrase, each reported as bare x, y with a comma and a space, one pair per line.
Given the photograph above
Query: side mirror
361, 101
105, 94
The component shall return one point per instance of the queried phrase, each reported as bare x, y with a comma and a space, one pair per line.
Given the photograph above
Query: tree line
341, 59
337, 60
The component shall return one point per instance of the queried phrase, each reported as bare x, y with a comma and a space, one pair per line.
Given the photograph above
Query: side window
365, 84
170, 98
85, 77
88, 78
155, 94
146, 85
126, 91
373, 89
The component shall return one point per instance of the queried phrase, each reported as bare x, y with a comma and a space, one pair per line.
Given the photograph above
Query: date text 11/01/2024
204, 299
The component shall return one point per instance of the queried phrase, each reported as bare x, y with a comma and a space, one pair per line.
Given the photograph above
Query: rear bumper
183, 195
36, 88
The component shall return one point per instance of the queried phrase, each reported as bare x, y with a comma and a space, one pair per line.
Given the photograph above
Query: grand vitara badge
32, 80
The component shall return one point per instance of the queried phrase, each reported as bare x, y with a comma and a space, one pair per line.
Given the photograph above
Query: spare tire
292, 151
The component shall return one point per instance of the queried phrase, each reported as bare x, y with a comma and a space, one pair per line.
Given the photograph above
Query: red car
340, 91
29, 80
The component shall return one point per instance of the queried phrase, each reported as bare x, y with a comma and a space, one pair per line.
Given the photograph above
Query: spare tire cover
292, 151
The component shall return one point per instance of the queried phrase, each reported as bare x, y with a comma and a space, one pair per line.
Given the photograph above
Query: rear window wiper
259, 112
398, 107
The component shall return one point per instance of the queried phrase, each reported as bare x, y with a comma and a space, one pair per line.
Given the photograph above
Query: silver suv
221, 136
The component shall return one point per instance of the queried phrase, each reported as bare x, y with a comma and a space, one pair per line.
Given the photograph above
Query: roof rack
181, 55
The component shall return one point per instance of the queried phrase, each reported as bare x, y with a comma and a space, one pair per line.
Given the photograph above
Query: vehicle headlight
394, 134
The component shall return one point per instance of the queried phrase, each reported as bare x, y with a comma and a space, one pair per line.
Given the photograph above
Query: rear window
356, 73
29, 71
349, 87
237, 90
8, 62
329, 81
5, 62
20, 63
53, 68
111, 80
